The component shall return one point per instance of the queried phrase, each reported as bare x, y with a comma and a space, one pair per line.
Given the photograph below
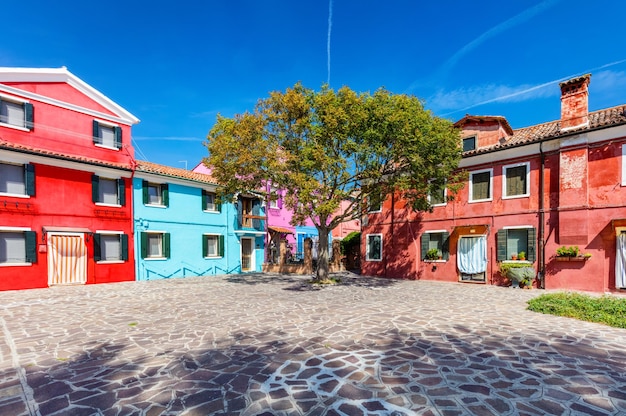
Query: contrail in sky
330, 26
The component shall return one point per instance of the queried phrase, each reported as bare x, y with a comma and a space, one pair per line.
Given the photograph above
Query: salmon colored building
531, 190
66, 164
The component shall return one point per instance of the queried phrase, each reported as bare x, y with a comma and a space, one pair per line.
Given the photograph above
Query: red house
529, 191
66, 163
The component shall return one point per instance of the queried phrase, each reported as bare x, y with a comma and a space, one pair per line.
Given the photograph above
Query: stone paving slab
274, 345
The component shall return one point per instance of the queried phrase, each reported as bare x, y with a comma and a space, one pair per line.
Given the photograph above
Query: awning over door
281, 230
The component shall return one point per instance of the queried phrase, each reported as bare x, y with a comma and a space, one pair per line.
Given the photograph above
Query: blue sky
175, 65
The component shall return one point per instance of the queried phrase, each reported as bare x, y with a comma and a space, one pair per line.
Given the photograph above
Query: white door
472, 258
67, 259
247, 257
620, 261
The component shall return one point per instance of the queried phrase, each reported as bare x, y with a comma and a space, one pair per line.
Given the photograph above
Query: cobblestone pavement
274, 345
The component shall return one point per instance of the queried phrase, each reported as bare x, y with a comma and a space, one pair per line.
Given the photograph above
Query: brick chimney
575, 102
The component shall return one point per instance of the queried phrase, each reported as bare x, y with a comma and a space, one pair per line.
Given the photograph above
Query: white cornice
65, 76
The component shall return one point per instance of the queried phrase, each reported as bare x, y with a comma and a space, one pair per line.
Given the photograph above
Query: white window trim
15, 229
380, 209
471, 196
108, 232
157, 184
515, 165
107, 124
367, 236
104, 204
445, 199
218, 246
211, 211
15, 100
2, 162
624, 164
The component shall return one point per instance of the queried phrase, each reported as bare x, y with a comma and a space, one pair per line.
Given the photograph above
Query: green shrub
608, 310
351, 240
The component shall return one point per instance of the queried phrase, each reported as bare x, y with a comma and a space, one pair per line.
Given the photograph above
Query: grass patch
607, 310
329, 281
133, 324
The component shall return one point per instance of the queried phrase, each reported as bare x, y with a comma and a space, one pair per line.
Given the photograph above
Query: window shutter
166, 245
29, 116
97, 248
96, 133
165, 195
424, 245
29, 178
203, 201
218, 205
256, 210
144, 189
31, 246
95, 182
118, 136
121, 192
205, 245
221, 246
239, 212
532, 244
445, 249
501, 237
144, 245
280, 200
124, 246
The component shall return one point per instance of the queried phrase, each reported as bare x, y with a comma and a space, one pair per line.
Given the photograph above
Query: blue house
181, 230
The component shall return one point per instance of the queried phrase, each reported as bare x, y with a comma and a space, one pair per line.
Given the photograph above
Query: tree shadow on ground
303, 283
414, 370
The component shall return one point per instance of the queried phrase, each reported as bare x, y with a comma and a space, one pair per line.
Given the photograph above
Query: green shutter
31, 246
166, 245
97, 248
124, 247
165, 195
144, 189
95, 182
29, 116
445, 249
203, 200
29, 179
218, 205
121, 192
96, 133
221, 246
144, 245
501, 237
205, 244
424, 245
531, 255
118, 136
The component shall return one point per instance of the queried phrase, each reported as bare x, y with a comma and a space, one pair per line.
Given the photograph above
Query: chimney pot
575, 102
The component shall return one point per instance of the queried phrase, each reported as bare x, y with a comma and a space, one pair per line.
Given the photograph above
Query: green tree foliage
324, 147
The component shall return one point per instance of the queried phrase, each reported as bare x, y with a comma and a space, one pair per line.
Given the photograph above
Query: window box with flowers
571, 253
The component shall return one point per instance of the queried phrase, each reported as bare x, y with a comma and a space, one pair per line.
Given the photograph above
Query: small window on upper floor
480, 188
107, 135
106, 191
516, 180
17, 180
14, 113
469, 143
155, 194
374, 203
437, 197
209, 202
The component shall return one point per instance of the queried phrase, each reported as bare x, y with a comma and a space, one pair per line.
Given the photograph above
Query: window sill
110, 262
156, 205
516, 196
517, 261
211, 211
213, 257
106, 147
155, 258
373, 259
15, 264
434, 261
14, 126
15, 195
102, 204
479, 200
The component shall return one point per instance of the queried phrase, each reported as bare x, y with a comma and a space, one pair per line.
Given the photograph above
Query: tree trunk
322, 254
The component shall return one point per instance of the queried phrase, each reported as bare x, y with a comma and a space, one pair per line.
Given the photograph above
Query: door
67, 259
247, 249
472, 258
620, 261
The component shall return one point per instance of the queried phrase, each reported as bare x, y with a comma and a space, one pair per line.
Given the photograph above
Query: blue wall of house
186, 222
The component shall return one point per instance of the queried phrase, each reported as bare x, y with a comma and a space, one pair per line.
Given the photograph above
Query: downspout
542, 250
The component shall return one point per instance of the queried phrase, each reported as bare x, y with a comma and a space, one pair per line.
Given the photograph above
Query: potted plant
433, 254
514, 256
571, 253
521, 255
520, 274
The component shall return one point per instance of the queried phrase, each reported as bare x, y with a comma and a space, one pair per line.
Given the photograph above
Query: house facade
66, 164
529, 191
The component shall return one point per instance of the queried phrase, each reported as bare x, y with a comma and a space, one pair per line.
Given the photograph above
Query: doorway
247, 258
67, 259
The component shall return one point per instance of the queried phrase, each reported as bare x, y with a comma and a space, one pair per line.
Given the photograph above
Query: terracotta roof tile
149, 167
607, 117
58, 155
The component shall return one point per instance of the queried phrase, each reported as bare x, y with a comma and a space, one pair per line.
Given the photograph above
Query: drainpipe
542, 250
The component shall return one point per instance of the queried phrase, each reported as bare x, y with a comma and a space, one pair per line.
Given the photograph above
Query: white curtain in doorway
472, 254
620, 261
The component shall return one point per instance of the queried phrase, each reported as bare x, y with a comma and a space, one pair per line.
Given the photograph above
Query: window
438, 240
108, 191
209, 202
111, 246
480, 186
17, 180
107, 135
469, 143
437, 197
516, 180
155, 194
515, 240
249, 213
213, 245
155, 245
374, 247
374, 203
274, 203
16, 114
17, 247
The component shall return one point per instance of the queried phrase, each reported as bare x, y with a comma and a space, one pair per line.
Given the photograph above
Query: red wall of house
63, 199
